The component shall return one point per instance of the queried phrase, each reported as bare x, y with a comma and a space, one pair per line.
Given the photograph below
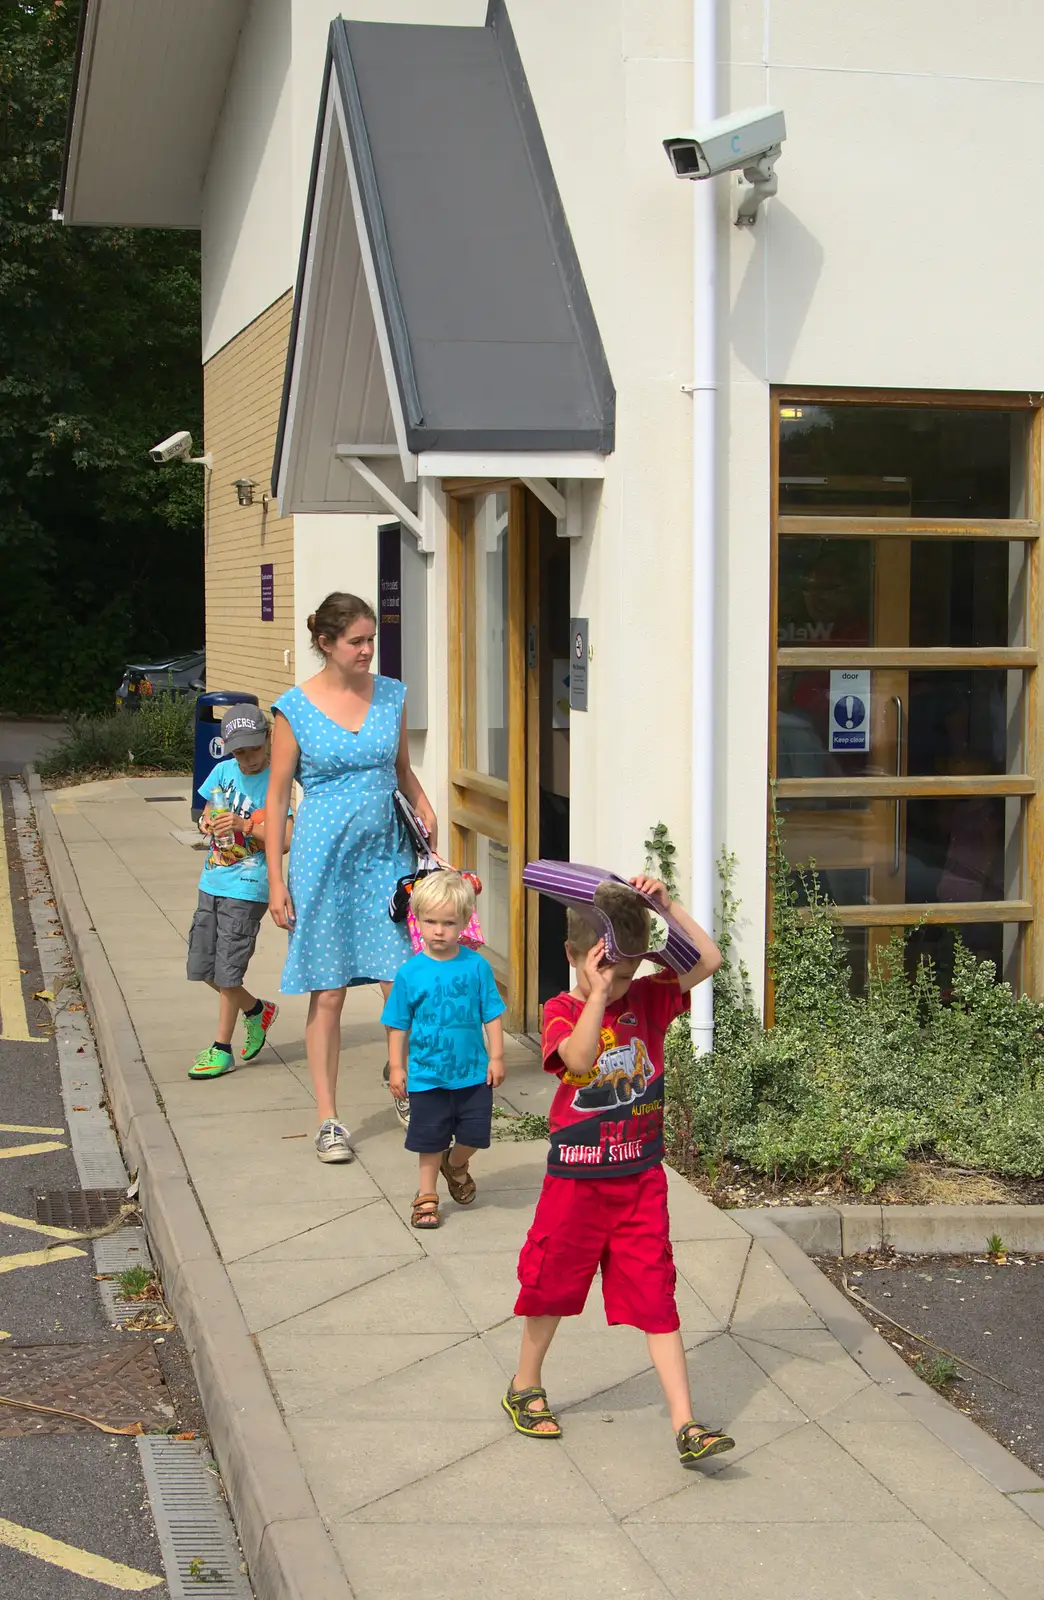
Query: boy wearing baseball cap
233, 889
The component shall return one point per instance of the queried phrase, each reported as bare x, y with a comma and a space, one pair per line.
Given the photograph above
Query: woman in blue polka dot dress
343, 735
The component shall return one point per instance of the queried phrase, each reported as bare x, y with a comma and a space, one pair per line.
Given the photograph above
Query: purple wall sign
389, 600
267, 592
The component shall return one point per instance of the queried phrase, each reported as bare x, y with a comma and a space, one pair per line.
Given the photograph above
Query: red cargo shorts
618, 1224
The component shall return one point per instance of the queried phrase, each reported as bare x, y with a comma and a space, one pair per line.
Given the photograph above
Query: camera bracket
757, 184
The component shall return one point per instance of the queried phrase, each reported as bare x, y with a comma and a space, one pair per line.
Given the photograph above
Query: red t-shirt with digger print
609, 1123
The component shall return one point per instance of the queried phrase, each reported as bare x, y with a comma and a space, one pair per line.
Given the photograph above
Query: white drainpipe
704, 893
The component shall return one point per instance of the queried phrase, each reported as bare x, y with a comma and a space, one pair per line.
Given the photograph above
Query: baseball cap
243, 727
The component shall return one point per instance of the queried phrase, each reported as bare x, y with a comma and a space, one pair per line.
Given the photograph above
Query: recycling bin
209, 749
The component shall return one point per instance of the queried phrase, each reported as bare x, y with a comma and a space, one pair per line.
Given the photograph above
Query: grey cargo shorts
222, 939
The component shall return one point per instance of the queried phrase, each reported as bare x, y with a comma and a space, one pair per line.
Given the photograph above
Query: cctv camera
732, 143
176, 448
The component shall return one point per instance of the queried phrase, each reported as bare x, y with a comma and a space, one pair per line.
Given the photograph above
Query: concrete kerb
888, 1369
288, 1550
912, 1230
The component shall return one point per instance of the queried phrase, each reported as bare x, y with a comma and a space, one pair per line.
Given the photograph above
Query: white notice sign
850, 712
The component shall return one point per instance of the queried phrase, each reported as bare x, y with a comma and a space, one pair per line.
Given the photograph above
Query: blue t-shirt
235, 869
442, 1005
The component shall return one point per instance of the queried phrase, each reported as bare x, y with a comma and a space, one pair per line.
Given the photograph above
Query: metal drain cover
78, 1208
118, 1382
166, 800
196, 1537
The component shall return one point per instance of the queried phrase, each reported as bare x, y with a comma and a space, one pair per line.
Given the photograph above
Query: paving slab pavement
387, 1350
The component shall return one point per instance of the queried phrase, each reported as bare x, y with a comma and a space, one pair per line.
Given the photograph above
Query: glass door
903, 716
488, 717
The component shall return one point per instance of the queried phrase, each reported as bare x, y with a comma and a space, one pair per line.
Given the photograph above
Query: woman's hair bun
336, 614
310, 624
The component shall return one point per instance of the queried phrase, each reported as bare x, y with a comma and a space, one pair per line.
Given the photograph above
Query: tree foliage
100, 551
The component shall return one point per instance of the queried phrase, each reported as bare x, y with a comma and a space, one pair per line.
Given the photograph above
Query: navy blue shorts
439, 1115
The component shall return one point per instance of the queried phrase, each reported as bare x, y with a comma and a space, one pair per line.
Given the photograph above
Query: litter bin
209, 749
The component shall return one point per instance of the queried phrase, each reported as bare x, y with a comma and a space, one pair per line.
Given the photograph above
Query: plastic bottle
218, 808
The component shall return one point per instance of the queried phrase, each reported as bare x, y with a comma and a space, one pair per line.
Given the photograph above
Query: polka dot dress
347, 851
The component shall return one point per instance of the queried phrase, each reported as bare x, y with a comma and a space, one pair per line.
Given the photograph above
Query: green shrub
851, 1086
159, 735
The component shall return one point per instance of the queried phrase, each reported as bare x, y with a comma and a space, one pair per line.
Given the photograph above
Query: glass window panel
491, 864
487, 635
826, 592
954, 723
966, 593
901, 461
887, 852
961, 593
998, 942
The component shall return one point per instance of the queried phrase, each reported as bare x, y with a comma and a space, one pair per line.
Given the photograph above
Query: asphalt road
82, 1488
22, 739
992, 1315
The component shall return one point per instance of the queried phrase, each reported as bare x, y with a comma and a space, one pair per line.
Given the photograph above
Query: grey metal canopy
440, 305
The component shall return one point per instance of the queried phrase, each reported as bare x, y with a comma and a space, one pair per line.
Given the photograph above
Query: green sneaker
212, 1063
257, 1029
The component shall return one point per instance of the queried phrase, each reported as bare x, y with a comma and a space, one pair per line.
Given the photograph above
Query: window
903, 739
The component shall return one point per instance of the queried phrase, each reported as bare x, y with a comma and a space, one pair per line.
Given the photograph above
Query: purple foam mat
573, 884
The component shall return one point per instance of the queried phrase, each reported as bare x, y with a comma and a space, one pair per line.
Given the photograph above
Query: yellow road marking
71, 1559
39, 1258
19, 1127
32, 1226
30, 1150
14, 1023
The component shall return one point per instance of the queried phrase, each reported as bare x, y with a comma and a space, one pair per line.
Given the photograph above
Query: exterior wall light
244, 488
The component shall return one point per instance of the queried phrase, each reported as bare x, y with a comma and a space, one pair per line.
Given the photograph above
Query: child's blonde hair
440, 890
627, 913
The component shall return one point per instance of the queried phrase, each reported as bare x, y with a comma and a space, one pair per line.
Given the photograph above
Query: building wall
242, 385
902, 250
249, 245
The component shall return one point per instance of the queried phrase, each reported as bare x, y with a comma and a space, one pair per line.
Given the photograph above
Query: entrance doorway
904, 711
508, 634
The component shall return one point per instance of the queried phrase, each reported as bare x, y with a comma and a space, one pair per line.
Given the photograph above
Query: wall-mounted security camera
745, 141
177, 448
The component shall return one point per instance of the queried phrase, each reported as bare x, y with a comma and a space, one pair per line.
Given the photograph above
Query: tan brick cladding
242, 385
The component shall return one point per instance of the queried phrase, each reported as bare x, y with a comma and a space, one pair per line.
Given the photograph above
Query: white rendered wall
248, 247
331, 552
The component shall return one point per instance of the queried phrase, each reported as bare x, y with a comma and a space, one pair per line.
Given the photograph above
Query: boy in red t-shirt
604, 1199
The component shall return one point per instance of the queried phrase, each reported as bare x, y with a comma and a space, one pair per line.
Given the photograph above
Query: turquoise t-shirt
442, 1005
235, 869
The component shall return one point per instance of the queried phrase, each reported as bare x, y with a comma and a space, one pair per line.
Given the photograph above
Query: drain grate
78, 1208
166, 800
198, 1543
117, 1382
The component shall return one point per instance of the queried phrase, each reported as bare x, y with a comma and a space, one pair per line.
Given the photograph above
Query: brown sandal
425, 1212
459, 1181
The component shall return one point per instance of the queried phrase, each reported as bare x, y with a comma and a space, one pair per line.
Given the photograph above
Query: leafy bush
159, 735
851, 1086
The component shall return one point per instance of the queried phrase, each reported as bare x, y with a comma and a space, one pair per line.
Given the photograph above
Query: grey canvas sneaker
332, 1142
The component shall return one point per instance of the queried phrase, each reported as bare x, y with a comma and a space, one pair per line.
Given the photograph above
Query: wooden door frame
1030, 782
